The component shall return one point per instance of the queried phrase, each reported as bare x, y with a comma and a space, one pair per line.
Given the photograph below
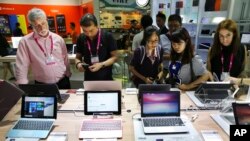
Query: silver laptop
160, 112
210, 94
107, 126
37, 89
9, 96
102, 85
37, 117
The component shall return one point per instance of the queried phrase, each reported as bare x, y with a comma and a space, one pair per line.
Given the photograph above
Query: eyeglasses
153, 42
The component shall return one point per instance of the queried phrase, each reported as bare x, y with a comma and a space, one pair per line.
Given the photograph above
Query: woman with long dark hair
186, 71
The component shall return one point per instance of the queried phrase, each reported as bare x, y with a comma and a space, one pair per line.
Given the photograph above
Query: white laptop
210, 94
160, 112
102, 85
15, 41
105, 127
37, 117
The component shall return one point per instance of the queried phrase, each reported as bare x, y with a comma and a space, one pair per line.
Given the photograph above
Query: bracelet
77, 64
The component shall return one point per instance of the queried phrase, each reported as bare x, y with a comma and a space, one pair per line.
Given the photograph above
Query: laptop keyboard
95, 125
33, 125
163, 122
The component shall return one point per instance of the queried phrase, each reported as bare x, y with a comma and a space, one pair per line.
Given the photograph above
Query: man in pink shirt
45, 52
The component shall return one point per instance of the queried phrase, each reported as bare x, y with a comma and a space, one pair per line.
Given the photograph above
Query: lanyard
51, 46
98, 43
230, 64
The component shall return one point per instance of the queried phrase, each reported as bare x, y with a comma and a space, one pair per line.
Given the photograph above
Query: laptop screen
39, 107
241, 113
245, 38
160, 103
102, 102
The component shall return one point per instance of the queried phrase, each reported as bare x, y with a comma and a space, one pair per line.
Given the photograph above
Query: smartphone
85, 66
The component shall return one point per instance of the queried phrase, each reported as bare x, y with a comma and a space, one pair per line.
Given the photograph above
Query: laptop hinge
102, 115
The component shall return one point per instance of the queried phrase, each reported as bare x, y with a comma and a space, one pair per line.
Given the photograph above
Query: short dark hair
17, 24
72, 24
88, 19
146, 21
148, 33
175, 17
162, 16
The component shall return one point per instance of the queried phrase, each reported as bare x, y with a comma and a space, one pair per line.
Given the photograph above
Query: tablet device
102, 102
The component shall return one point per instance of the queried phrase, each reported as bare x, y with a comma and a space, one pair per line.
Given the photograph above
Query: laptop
153, 87
102, 85
241, 113
160, 112
9, 96
210, 94
105, 127
37, 89
37, 117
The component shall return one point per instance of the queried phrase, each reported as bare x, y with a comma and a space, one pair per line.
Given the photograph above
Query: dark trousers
64, 83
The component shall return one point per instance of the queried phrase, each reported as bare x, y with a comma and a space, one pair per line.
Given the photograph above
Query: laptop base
140, 135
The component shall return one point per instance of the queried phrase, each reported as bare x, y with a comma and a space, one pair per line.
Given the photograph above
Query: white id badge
94, 59
50, 60
224, 76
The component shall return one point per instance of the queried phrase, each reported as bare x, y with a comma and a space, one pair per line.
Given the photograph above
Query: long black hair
188, 53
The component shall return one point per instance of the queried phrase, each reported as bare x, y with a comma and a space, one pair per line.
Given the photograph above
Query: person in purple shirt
44, 52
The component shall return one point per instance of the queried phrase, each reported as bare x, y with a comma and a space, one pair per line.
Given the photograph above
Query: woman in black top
146, 64
227, 54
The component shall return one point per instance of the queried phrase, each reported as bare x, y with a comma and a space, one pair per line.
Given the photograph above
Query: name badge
50, 60
174, 67
94, 59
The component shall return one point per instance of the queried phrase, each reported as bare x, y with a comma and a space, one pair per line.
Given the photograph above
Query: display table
70, 115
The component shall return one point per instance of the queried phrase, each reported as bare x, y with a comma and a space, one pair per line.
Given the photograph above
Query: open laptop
152, 87
241, 113
9, 96
37, 89
38, 114
102, 85
210, 94
160, 112
94, 104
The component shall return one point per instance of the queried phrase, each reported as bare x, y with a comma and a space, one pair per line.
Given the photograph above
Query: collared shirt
152, 55
30, 55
